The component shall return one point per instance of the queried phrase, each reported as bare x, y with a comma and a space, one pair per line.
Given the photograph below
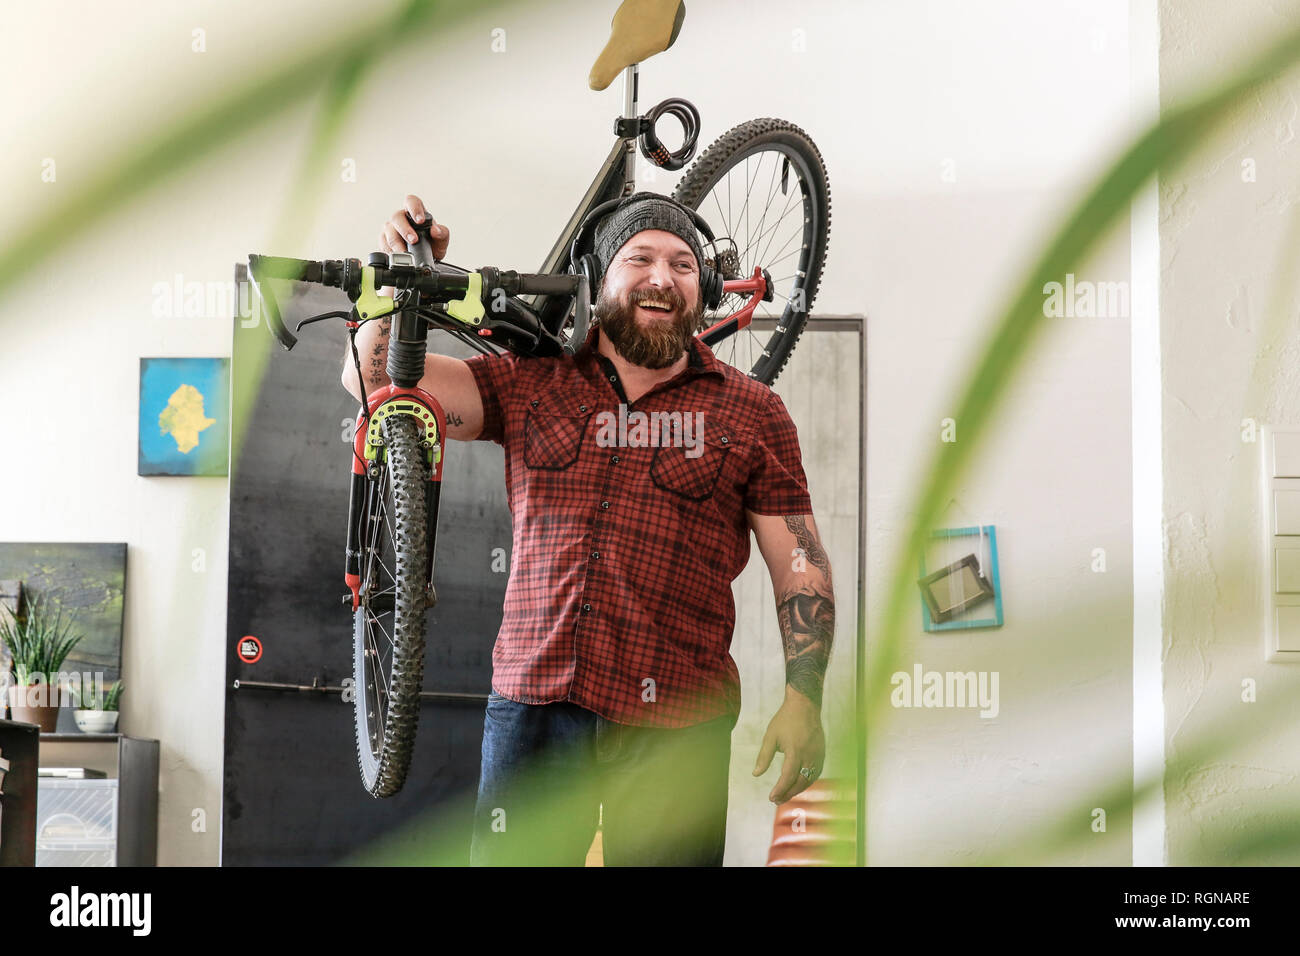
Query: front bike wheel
742, 186
388, 626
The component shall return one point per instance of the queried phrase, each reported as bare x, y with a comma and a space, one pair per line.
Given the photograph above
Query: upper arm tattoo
808, 542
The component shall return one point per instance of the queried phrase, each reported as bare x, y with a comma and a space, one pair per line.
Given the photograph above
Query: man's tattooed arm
808, 543
377, 374
372, 350
807, 621
805, 597
806, 615
371, 341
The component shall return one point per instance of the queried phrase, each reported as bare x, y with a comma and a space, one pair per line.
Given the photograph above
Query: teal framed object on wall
984, 583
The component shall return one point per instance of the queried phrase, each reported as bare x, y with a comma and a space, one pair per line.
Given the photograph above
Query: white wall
822, 388
1021, 97
1227, 356
1026, 100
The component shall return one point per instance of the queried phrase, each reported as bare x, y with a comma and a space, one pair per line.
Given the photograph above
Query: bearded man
614, 693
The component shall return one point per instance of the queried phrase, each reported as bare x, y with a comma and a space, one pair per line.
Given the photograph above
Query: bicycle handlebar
436, 283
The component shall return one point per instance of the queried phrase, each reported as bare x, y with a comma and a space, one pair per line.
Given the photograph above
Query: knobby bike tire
405, 470
728, 151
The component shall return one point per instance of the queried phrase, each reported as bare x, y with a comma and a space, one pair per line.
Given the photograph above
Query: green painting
86, 579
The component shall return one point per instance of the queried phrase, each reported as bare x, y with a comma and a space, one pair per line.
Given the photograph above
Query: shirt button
595, 554
586, 607
582, 408
533, 403
604, 504
724, 439
614, 460
613, 378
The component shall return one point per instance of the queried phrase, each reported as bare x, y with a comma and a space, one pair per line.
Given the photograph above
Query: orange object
816, 827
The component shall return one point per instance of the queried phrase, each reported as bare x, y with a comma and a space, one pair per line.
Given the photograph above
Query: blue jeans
552, 772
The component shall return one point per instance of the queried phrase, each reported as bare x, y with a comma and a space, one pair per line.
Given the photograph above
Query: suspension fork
428, 414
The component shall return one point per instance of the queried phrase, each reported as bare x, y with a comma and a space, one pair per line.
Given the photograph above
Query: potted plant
39, 643
91, 717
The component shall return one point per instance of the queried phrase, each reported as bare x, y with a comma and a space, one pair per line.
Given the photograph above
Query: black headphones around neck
584, 261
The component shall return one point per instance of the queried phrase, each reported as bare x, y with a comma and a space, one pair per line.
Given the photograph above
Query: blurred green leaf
138, 163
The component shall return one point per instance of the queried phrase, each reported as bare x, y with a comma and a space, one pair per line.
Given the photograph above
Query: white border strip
1149, 846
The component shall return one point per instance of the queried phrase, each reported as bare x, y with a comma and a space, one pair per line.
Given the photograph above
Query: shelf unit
132, 767
19, 745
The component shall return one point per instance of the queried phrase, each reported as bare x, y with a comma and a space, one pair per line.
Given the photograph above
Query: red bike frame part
742, 316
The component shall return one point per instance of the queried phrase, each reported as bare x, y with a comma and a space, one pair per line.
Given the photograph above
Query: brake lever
265, 302
321, 318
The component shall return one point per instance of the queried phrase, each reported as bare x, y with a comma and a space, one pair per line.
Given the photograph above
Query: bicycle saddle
640, 29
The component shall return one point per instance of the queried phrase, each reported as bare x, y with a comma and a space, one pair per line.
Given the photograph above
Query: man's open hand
796, 731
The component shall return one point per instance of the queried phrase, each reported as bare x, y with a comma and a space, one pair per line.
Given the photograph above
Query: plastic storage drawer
76, 822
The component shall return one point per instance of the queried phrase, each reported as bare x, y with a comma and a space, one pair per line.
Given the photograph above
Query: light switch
1286, 512
1287, 565
1286, 454
1279, 451
1288, 628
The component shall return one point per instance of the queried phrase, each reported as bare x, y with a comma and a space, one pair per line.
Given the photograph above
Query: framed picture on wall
966, 592
88, 581
184, 416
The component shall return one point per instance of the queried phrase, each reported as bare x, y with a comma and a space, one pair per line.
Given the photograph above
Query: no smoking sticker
250, 649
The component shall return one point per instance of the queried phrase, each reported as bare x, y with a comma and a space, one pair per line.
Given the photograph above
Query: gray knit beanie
640, 211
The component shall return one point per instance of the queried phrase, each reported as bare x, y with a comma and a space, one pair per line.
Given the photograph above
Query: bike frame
616, 178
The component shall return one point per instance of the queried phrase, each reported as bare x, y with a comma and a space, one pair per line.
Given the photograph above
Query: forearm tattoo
807, 618
379, 351
808, 543
807, 621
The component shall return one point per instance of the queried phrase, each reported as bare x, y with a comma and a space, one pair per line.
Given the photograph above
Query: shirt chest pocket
691, 472
553, 431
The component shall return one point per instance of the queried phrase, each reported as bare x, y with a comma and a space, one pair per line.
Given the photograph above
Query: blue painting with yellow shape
184, 416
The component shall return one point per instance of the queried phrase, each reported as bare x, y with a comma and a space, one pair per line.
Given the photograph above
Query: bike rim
379, 607
771, 229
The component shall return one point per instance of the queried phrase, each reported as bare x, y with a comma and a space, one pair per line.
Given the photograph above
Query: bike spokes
768, 231
762, 188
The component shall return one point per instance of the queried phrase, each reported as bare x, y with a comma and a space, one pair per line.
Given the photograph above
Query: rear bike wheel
742, 186
388, 626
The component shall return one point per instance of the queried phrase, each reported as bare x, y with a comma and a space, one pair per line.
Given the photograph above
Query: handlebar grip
261, 268
282, 267
422, 251
547, 284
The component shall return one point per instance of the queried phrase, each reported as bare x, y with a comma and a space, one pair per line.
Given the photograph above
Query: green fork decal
404, 406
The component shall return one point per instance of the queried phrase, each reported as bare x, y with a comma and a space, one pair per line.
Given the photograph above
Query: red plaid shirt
619, 598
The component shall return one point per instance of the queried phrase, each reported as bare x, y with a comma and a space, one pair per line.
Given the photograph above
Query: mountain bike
762, 192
